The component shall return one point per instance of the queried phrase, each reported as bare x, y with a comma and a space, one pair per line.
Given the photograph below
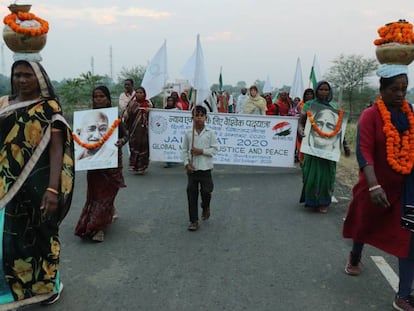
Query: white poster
243, 139
96, 133
326, 119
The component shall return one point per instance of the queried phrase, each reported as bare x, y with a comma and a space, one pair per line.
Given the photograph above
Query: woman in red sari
103, 184
381, 212
136, 122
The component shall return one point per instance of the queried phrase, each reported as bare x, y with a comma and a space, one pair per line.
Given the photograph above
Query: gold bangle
54, 191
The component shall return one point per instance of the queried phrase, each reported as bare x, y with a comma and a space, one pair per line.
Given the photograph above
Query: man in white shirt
241, 100
127, 95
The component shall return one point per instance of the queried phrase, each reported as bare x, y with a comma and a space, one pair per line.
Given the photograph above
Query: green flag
312, 78
315, 74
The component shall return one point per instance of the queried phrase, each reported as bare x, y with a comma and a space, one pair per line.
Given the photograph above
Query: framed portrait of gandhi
95, 134
324, 122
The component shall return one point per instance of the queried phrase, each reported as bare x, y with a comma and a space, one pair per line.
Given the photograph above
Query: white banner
243, 139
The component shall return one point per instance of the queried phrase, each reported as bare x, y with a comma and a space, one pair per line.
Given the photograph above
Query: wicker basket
395, 53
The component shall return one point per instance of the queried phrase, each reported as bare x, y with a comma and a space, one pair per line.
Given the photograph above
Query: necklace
319, 131
399, 147
101, 141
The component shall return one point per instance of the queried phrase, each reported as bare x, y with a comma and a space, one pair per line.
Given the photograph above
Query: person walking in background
381, 212
308, 94
103, 184
170, 104
136, 122
36, 191
241, 99
127, 95
318, 173
255, 104
183, 102
283, 103
199, 147
272, 108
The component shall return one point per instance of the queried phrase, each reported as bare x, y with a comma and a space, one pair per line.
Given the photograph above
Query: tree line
348, 77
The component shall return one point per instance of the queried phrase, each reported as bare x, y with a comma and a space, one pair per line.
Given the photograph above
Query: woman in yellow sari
36, 184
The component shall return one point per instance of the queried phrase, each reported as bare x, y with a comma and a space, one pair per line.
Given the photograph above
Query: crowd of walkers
37, 175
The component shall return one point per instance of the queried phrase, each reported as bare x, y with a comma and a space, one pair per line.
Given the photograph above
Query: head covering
145, 94
330, 96
106, 92
391, 70
46, 88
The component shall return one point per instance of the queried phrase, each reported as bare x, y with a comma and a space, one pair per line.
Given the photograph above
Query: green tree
135, 73
349, 73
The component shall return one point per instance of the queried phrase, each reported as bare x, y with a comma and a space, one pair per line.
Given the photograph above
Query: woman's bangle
374, 188
54, 191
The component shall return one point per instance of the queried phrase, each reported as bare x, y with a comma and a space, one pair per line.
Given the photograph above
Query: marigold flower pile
12, 19
101, 141
399, 32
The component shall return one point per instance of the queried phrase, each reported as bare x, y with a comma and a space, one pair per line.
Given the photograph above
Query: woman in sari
136, 122
103, 184
37, 175
318, 173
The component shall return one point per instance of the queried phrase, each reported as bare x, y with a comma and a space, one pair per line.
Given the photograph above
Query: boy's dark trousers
203, 180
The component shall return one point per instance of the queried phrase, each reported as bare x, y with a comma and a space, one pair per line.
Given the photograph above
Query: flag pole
193, 132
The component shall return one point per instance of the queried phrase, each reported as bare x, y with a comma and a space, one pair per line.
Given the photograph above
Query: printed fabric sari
29, 270
136, 122
103, 186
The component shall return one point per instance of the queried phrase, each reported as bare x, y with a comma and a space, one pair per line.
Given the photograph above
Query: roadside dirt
346, 177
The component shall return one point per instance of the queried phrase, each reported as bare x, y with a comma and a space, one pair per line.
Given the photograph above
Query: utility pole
3, 66
92, 66
110, 63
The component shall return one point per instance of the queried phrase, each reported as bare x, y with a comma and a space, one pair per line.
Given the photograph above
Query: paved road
259, 251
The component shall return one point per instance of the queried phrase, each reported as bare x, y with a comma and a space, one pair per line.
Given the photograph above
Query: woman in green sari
318, 173
36, 184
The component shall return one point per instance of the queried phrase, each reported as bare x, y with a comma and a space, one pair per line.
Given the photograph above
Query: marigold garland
399, 32
319, 131
101, 141
399, 147
10, 20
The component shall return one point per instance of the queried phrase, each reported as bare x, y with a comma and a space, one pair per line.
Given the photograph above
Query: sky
248, 39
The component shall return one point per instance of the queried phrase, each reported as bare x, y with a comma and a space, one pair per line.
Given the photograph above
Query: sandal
99, 236
193, 226
323, 209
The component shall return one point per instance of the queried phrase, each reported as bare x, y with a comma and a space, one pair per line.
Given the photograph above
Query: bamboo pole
193, 132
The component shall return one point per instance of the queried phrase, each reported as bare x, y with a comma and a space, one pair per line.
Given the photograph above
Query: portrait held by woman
381, 212
136, 122
319, 173
103, 184
37, 179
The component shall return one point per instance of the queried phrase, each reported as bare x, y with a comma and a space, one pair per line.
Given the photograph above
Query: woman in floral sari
136, 122
36, 184
103, 184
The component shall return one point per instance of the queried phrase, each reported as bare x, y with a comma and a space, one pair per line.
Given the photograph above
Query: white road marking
386, 271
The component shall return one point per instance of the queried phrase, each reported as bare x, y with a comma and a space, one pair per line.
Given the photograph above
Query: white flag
297, 88
267, 87
194, 71
156, 74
